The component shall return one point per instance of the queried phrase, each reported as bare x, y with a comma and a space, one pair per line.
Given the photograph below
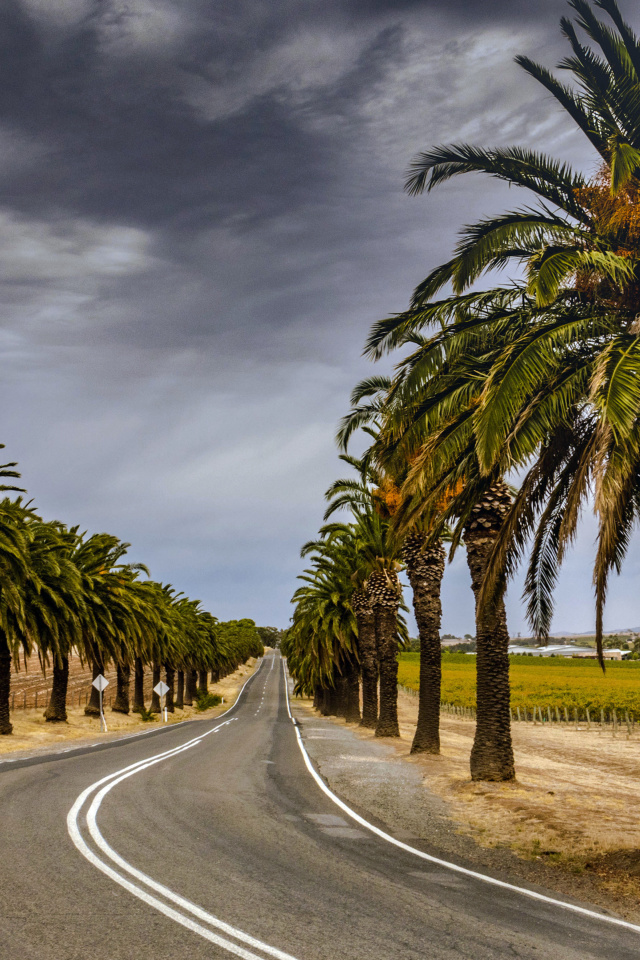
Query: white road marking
106, 784
562, 904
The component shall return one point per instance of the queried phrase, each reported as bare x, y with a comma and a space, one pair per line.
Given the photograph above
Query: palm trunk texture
492, 751
352, 711
155, 680
56, 711
203, 686
6, 726
368, 657
384, 589
180, 691
386, 621
425, 570
138, 686
190, 690
123, 679
170, 679
342, 695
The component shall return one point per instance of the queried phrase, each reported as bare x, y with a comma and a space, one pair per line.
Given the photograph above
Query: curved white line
574, 908
107, 783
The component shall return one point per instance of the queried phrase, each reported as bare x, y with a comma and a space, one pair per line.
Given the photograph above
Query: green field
555, 682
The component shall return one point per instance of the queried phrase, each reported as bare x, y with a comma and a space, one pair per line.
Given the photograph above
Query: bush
205, 701
146, 715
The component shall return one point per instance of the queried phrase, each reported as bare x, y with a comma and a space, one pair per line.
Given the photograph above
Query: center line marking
106, 784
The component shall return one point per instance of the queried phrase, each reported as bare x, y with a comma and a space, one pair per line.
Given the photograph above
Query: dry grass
32, 732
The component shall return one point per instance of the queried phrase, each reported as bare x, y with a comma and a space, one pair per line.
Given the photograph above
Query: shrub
205, 701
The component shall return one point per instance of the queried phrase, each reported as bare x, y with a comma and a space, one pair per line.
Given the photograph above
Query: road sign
101, 683
162, 688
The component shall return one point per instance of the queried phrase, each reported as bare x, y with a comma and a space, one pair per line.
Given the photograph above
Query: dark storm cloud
118, 127
201, 212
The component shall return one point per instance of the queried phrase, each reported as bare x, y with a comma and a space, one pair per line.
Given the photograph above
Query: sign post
101, 683
161, 689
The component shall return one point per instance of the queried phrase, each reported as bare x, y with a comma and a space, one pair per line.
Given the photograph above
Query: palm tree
566, 380
123, 622
56, 611
325, 620
427, 440
425, 570
422, 555
14, 575
377, 554
363, 610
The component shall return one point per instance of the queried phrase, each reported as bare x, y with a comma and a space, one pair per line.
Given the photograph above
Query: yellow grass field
550, 682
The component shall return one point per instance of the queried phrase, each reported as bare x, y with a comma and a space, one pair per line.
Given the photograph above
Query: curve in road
230, 847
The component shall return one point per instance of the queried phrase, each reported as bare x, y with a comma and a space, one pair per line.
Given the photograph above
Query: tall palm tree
324, 619
363, 611
15, 574
378, 556
56, 611
566, 380
427, 440
422, 555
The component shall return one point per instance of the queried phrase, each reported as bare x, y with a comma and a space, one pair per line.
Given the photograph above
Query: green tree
562, 389
377, 556
423, 555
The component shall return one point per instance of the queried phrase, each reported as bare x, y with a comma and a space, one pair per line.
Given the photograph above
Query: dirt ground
32, 733
574, 803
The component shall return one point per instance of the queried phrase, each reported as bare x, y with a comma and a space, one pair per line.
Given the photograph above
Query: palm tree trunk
6, 726
123, 679
56, 711
203, 686
138, 686
425, 569
155, 680
170, 678
386, 623
180, 691
368, 657
324, 707
384, 589
330, 706
341, 696
352, 711
492, 751
191, 687
92, 709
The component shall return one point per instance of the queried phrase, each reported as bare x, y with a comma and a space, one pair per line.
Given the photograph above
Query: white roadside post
101, 683
161, 689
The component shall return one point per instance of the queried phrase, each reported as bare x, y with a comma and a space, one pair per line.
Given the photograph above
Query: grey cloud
201, 212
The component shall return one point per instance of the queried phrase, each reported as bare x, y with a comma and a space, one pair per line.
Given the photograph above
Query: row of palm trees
63, 591
537, 376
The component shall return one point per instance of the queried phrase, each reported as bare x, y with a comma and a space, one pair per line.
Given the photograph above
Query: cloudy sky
201, 213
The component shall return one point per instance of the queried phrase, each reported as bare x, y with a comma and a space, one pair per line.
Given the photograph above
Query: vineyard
552, 684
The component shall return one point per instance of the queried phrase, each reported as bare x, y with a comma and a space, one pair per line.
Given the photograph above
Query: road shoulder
385, 784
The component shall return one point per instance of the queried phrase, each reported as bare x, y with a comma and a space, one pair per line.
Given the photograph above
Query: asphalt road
227, 846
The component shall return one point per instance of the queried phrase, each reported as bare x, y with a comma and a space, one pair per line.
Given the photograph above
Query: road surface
211, 839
